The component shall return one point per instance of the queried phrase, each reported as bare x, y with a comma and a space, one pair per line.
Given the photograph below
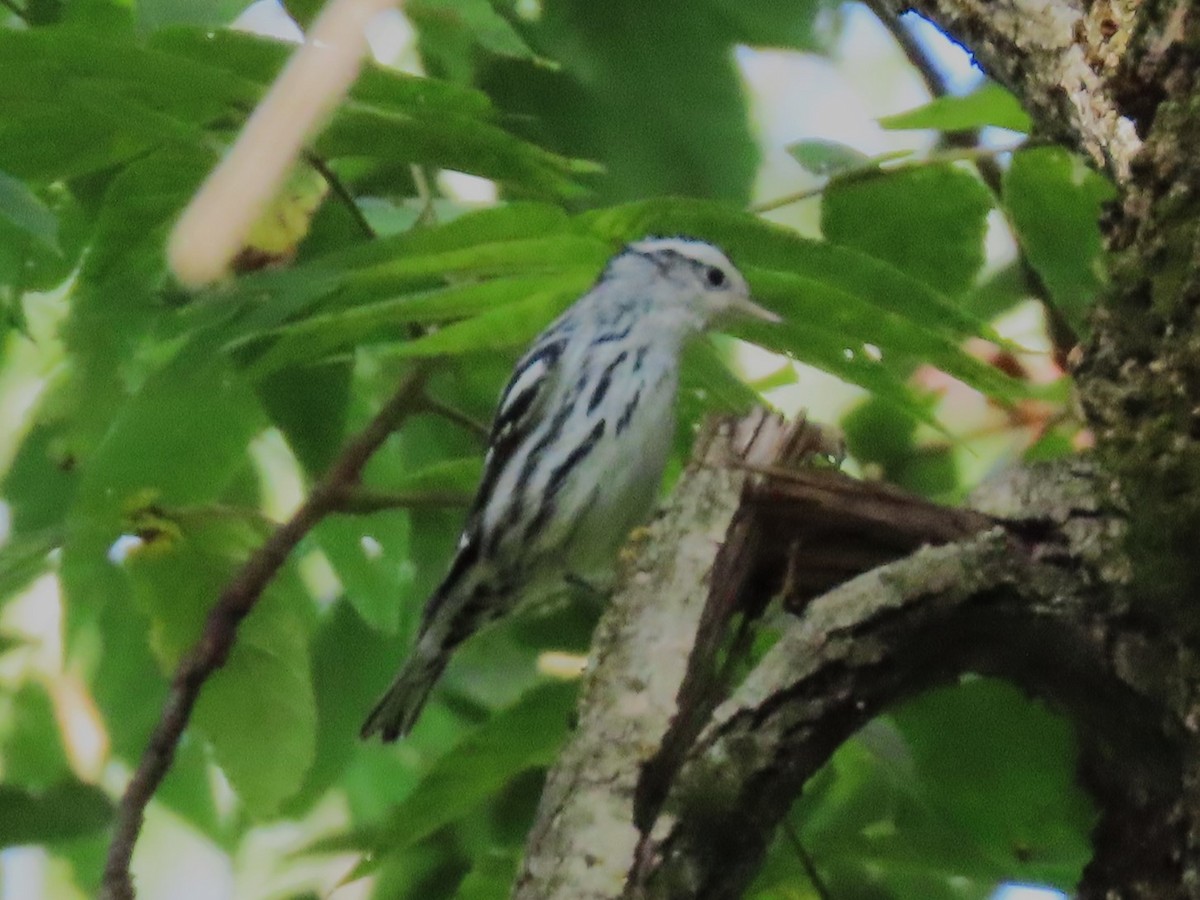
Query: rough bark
1074, 581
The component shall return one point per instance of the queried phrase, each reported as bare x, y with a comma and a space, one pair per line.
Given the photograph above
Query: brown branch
220, 629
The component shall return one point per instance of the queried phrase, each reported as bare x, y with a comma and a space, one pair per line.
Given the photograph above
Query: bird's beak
744, 306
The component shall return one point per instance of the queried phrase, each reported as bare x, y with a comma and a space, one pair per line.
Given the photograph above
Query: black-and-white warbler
576, 451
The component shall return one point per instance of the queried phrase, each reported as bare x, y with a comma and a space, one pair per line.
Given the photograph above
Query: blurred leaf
262, 695
31, 743
825, 158
21, 207
311, 338
450, 31
78, 103
491, 877
829, 158
527, 735
67, 810
689, 135
989, 105
1054, 202
774, 23
928, 221
155, 14
753, 242
141, 204
1032, 821
998, 293
706, 376
960, 790
515, 239
343, 692
176, 443
24, 557
310, 406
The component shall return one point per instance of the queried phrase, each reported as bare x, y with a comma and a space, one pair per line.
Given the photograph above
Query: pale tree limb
667, 792
220, 629
656, 672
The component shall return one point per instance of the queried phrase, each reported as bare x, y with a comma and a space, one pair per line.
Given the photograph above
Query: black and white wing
522, 405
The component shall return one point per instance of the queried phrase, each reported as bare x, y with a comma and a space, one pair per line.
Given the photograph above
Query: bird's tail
397, 710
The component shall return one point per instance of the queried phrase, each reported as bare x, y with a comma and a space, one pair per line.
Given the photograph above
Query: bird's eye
716, 277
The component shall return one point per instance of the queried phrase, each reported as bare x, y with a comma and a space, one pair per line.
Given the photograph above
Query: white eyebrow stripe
698, 252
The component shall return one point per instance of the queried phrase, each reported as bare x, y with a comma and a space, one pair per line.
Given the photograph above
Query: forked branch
220, 629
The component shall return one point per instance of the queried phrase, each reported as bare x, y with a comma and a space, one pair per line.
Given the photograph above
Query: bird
576, 450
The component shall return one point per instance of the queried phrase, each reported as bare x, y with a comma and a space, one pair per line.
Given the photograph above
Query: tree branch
711, 554
220, 629
1041, 580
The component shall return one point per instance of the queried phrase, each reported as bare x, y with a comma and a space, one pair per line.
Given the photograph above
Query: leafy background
149, 436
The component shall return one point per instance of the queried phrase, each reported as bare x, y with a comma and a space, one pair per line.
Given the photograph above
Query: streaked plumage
576, 451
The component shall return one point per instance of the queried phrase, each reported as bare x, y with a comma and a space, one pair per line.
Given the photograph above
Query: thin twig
455, 415
810, 867
220, 629
980, 156
341, 192
788, 199
427, 215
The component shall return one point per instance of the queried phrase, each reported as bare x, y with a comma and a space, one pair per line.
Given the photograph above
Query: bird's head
690, 279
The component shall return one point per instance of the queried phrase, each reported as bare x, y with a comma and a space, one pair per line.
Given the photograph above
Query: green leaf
312, 338
1054, 201
491, 877
928, 221
21, 207
510, 239
310, 405
177, 442
775, 23
524, 736
262, 695
990, 105
1003, 767
450, 30
514, 325
652, 142
23, 558
825, 158
343, 691
154, 14
962, 789
755, 242
67, 810
31, 742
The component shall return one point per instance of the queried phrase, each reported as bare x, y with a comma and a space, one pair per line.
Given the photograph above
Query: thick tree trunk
1076, 581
